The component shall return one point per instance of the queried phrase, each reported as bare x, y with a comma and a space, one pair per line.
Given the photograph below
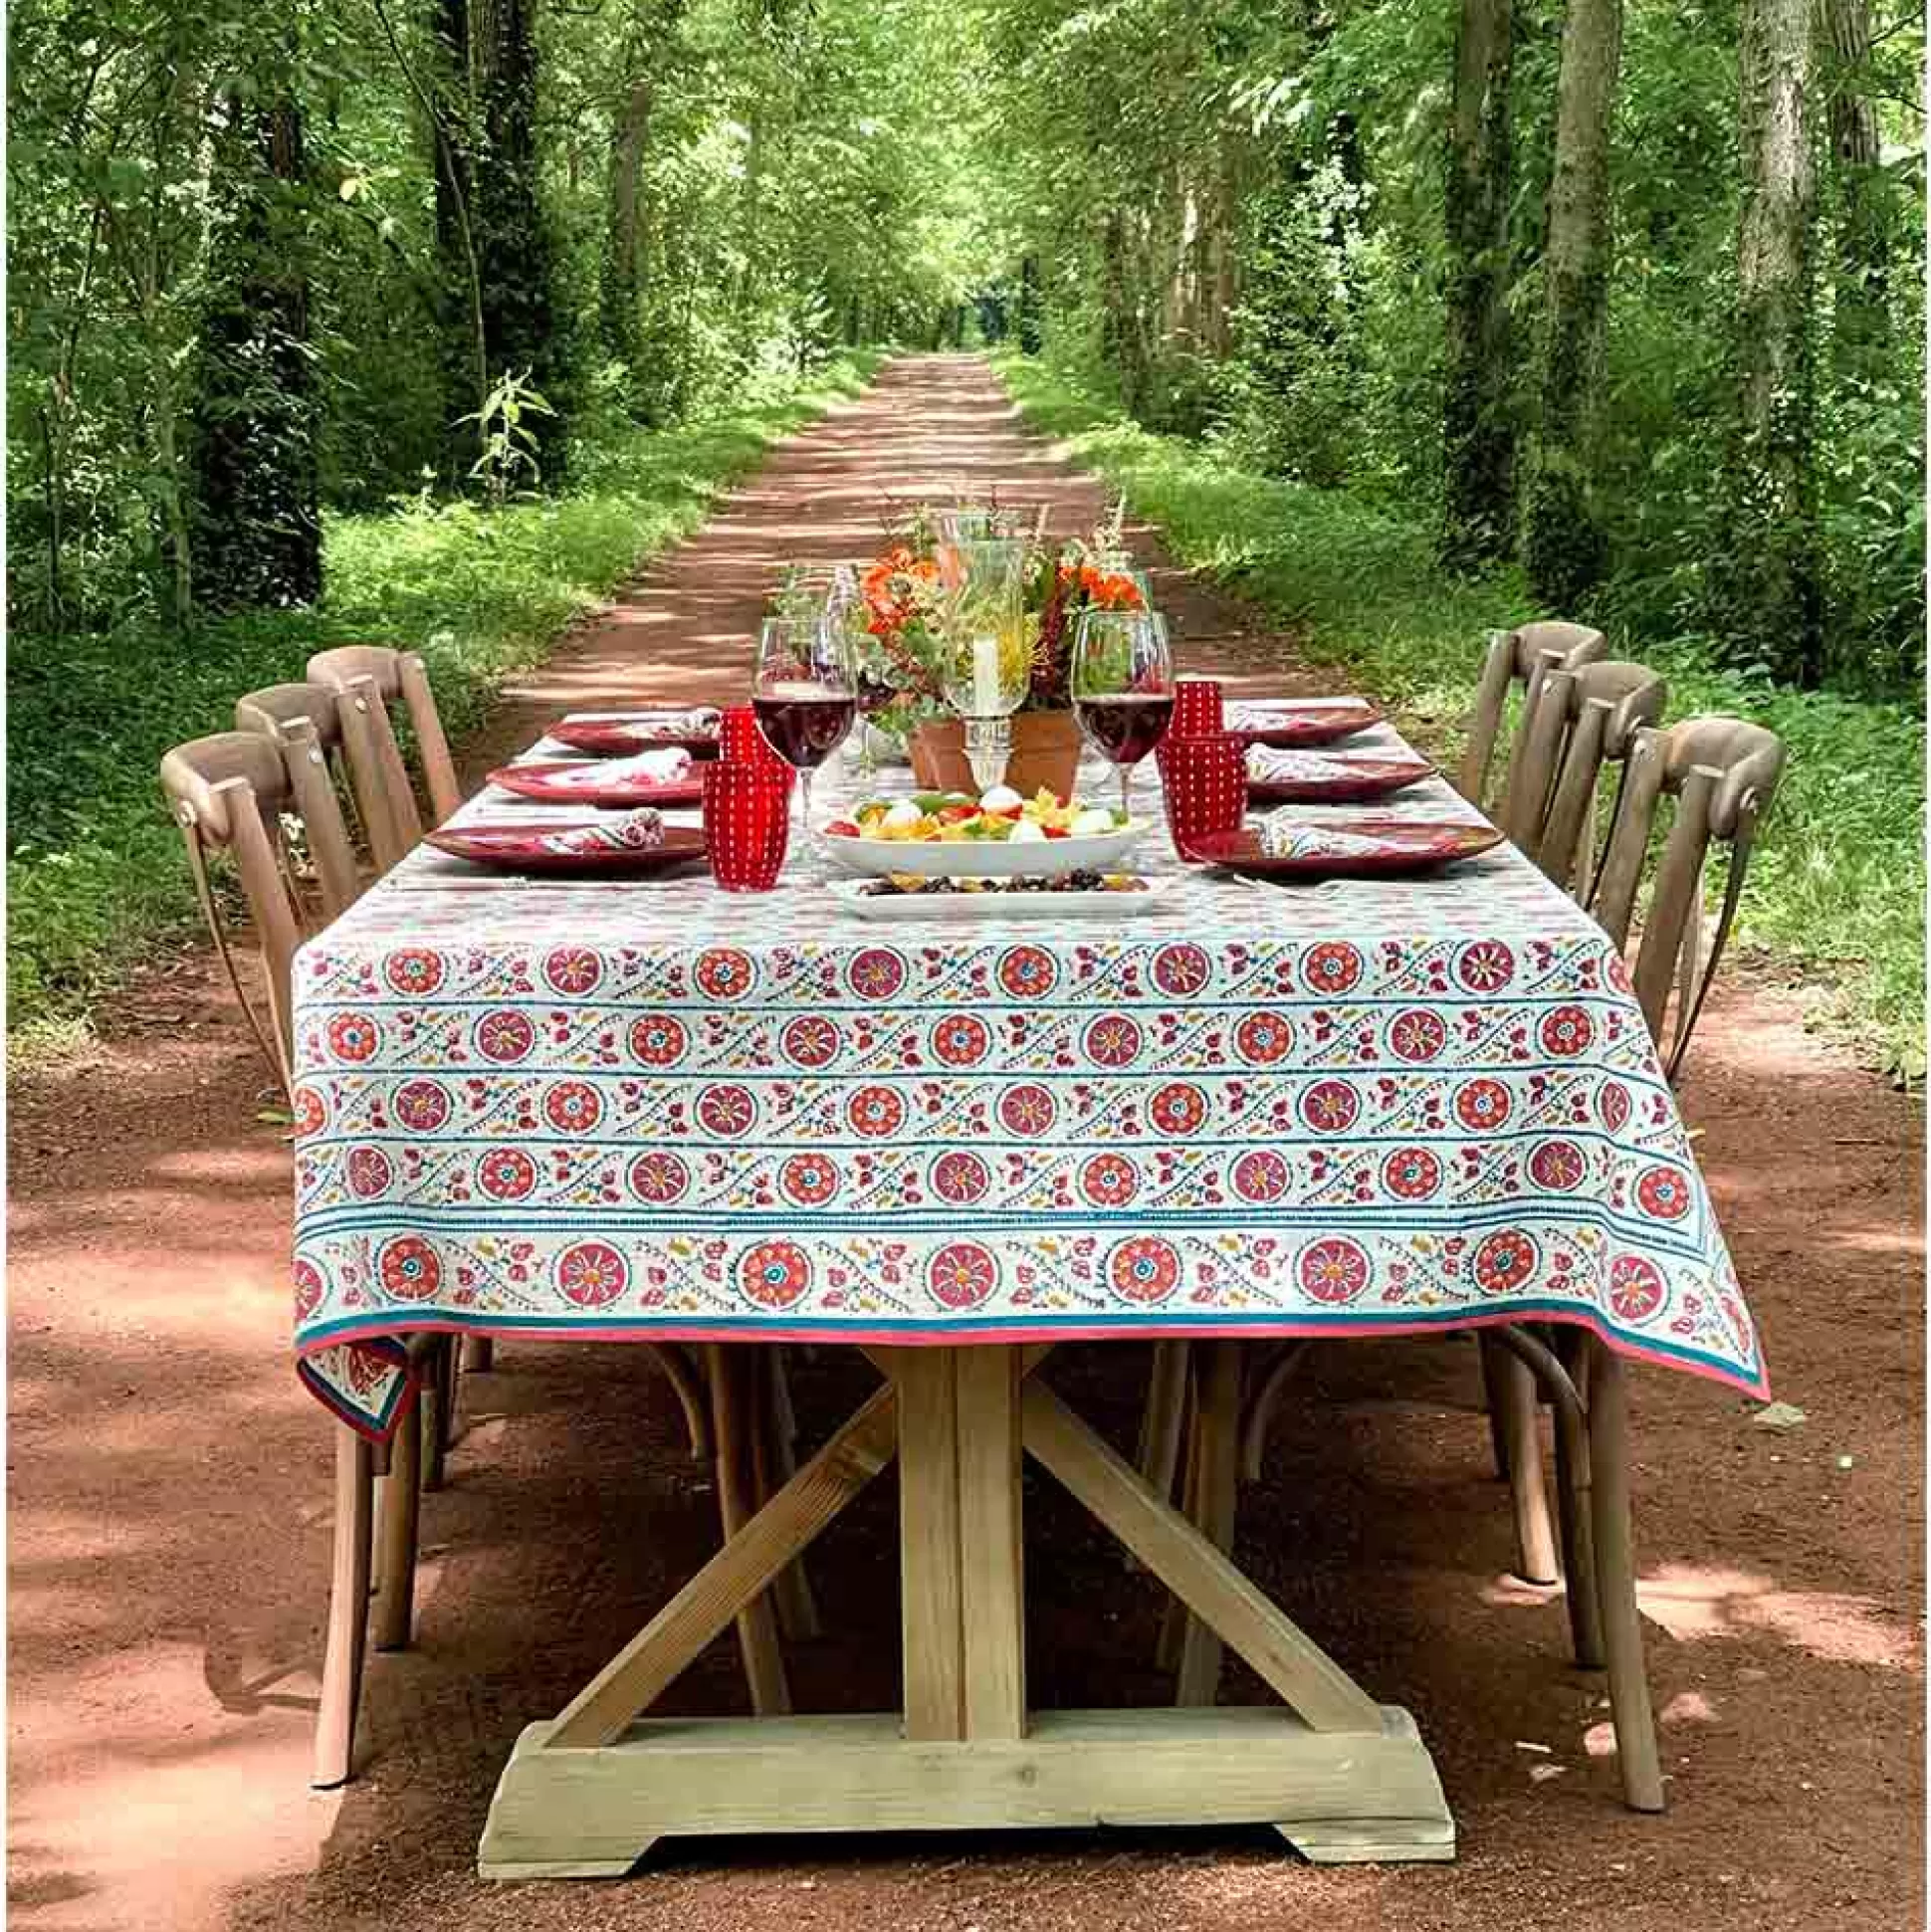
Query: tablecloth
653, 1110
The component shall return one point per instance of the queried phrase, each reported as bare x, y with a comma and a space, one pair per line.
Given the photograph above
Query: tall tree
1774, 575
1562, 536
1478, 433
1863, 228
257, 524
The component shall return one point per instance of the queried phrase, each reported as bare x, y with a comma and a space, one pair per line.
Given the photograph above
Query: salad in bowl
1001, 834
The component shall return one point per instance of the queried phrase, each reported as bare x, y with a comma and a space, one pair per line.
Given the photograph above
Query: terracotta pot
1045, 751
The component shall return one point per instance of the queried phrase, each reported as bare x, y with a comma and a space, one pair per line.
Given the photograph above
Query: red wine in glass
804, 722
1124, 725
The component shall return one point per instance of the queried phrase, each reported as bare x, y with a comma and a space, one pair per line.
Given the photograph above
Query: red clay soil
169, 1487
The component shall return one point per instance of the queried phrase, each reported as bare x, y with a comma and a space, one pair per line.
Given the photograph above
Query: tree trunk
257, 523
1862, 239
1775, 596
1478, 435
620, 290
1562, 541
1029, 330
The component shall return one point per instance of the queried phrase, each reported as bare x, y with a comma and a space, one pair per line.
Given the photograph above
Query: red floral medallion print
1664, 1194
1482, 1105
959, 1040
1565, 1032
308, 1289
1331, 969
811, 1041
1145, 1269
421, 1106
1619, 976
354, 1038
1411, 1174
1485, 966
573, 1106
775, 1274
876, 974
1330, 1107
659, 1178
1417, 1036
1557, 1166
958, 1179
1505, 1261
810, 1180
1260, 1177
723, 973
1181, 970
1109, 1181
1111, 1041
506, 1173
1027, 973
1263, 1039
658, 1040
408, 1269
876, 1112
505, 1037
310, 1112
1028, 1111
1613, 1106
726, 1111
1179, 1109
572, 970
414, 971
593, 1274
1334, 1271
961, 1275
1635, 1288
369, 1173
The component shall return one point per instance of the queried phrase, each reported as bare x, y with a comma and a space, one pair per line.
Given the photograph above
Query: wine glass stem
1126, 789
804, 800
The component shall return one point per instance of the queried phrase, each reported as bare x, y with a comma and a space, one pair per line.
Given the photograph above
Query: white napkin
641, 830
696, 720
1273, 766
669, 766
1282, 836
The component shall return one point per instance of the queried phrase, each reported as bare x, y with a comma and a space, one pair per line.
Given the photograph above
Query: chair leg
773, 1463
1216, 1434
1161, 1420
1615, 1572
734, 1416
1535, 1539
1492, 1352
341, 1665
1573, 1504
1173, 1622
401, 1504
438, 1422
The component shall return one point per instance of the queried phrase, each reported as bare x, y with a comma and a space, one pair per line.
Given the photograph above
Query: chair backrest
1723, 773
231, 790
365, 680
1518, 657
306, 716
1579, 721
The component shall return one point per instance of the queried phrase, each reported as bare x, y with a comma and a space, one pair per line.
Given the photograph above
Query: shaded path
169, 1483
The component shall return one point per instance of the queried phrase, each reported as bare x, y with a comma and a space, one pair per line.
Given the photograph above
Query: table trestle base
1341, 1777
1334, 1796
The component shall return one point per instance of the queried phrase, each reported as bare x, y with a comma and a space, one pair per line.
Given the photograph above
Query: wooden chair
281, 711
365, 680
1521, 657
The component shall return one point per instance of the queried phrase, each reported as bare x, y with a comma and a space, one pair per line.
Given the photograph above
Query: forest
428, 318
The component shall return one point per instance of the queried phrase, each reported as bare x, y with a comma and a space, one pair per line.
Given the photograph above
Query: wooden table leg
1514, 1391
992, 1543
341, 1666
397, 1522
1218, 1452
734, 1416
931, 1588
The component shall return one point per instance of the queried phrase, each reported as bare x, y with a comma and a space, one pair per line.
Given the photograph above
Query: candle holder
988, 745
989, 668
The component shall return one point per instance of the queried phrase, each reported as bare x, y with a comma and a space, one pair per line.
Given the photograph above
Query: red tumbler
1204, 779
746, 822
741, 741
1197, 708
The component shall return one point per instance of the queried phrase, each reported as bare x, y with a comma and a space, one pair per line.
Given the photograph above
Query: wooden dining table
648, 1109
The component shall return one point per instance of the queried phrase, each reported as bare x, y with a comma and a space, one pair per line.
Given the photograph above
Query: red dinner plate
552, 782
1299, 722
1403, 846
624, 738
520, 848
1369, 775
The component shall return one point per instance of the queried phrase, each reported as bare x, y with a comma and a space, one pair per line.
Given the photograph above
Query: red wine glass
1123, 685
806, 694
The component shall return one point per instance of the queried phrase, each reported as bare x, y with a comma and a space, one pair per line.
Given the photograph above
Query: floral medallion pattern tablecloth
652, 1109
